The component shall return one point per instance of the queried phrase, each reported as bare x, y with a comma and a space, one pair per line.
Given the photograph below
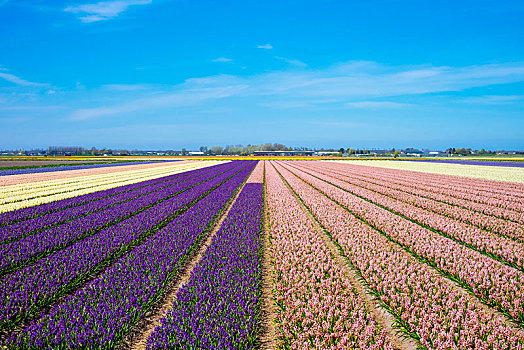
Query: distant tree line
466, 151
244, 150
240, 150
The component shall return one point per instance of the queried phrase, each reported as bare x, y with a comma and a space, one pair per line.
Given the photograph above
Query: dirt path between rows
138, 339
383, 317
267, 309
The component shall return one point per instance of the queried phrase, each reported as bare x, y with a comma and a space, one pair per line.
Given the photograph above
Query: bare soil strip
138, 339
267, 309
383, 317
66, 174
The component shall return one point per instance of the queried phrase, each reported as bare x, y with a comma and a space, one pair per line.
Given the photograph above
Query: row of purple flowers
219, 307
15, 216
71, 215
102, 313
57, 237
24, 292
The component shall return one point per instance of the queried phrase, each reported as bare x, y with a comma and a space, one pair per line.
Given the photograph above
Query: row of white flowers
26, 195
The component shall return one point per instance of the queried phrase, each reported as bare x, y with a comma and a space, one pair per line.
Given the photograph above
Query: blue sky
166, 74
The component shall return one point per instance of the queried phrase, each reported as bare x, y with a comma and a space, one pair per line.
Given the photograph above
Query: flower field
247, 254
497, 173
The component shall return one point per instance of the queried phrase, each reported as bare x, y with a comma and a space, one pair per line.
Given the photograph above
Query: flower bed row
27, 290
105, 311
258, 174
31, 226
479, 214
474, 162
11, 217
494, 244
427, 307
492, 282
15, 197
219, 307
317, 307
43, 243
507, 192
70, 167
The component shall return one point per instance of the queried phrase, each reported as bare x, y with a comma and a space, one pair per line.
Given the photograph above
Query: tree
351, 150
397, 152
203, 149
184, 151
217, 150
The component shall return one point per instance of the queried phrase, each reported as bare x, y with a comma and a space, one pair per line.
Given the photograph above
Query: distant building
283, 153
435, 154
412, 153
326, 153
195, 153
381, 152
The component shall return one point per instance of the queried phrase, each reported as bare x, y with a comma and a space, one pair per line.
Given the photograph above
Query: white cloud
350, 84
222, 59
353, 80
292, 62
103, 10
265, 46
19, 81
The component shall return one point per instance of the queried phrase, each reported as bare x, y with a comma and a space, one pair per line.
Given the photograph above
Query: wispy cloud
292, 62
126, 87
19, 81
364, 85
265, 46
13, 120
103, 10
377, 104
31, 108
494, 99
222, 59
354, 80
190, 96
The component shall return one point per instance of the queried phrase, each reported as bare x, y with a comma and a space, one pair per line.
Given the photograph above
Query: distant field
497, 173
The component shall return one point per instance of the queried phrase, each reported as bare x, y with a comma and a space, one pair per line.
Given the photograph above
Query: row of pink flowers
495, 283
317, 307
503, 194
257, 176
437, 312
479, 214
494, 243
